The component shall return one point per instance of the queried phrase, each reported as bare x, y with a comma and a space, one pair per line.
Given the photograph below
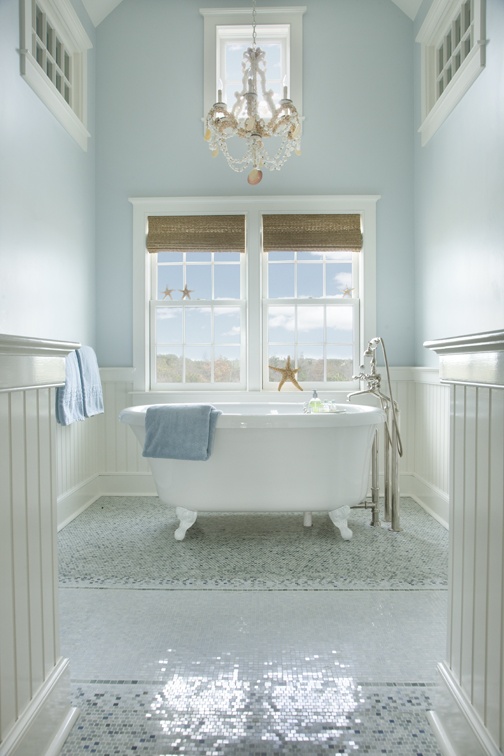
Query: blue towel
180, 431
91, 382
69, 398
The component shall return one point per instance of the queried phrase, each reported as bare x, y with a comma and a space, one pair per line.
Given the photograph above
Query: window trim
435, 110
214, 17
252, 208
68, 27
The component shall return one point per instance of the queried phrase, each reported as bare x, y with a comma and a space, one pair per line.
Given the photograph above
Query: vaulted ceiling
100, 9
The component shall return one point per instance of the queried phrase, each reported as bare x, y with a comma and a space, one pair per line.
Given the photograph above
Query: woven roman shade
200, 233
312, 233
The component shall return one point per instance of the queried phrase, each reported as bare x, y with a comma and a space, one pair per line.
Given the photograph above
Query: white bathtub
271, 457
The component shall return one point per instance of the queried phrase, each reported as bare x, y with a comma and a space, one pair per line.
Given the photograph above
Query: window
227, 33
210, 317
311, 297
197, 308
453, 55
54, 61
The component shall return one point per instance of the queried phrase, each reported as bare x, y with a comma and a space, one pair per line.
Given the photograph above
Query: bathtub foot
339, 518
307, 520
187, 518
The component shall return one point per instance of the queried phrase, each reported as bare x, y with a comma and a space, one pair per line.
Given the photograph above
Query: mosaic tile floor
252, 672
127, 541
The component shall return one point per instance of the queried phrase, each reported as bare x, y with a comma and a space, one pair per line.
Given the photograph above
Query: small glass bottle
315, 404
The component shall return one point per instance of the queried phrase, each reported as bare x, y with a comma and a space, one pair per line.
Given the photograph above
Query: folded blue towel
180, 431
69, 398
91, 383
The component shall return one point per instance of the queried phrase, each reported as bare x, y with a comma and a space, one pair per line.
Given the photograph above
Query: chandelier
253, 124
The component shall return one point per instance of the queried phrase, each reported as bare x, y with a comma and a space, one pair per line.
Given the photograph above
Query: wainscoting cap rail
32, 363
474, 342
476, 359
16, 345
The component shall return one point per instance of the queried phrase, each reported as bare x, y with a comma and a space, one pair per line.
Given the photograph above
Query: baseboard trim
458, 729
432, 499
47, 720
127, 484
74, 502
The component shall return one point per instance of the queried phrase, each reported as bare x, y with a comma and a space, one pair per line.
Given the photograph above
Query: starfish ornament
186, 292
347, 292
288, 374
168, 293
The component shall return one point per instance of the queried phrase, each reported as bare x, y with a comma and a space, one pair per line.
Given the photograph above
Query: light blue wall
47, 228
459, 199
358, 139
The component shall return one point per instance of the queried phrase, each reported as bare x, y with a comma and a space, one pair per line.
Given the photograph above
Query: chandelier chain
254, 24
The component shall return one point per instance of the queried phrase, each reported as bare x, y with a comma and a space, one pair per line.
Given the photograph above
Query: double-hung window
197, 307
231, 291
311, 297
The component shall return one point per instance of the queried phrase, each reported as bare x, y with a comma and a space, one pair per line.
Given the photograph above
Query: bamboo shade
312, 233
201, 233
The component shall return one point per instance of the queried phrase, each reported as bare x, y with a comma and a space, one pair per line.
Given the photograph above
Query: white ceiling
100, 9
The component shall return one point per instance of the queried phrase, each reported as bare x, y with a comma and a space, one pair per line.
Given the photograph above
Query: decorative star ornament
347, 292
168, 293
186, 292
288, 374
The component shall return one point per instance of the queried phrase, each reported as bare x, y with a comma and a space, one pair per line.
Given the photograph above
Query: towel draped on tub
180, 431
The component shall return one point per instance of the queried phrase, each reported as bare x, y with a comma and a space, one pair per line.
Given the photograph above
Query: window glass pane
339, 363
227, 325
280, 280
198, 325
311, 364
281, 325
199, 257
199, 281
310, 281
168, 365
338, 278
197, 364
169, 257
170, 281
169, 325
340, 325
310, 325
227, 282
227, 365
280, 256
310, 255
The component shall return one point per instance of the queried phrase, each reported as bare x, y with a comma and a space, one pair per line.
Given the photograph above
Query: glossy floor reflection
227, 673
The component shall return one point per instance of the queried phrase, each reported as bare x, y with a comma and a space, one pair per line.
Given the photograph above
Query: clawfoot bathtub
271, 458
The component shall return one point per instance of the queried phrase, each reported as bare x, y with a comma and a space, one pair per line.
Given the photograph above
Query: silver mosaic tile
259, 716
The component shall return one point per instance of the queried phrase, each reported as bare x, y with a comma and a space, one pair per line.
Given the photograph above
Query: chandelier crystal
244, 121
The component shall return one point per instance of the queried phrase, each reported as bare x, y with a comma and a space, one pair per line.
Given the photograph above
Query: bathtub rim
353, 415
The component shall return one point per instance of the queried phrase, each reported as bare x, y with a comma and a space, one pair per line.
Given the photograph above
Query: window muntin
311, 314
197, 321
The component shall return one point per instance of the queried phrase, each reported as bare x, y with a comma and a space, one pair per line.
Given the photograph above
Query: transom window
211, 317
228, 32
232, 42
53, 50
453, 55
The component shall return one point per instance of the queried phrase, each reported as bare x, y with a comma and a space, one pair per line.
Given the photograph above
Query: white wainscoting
469, 716
101, 456
35, 711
